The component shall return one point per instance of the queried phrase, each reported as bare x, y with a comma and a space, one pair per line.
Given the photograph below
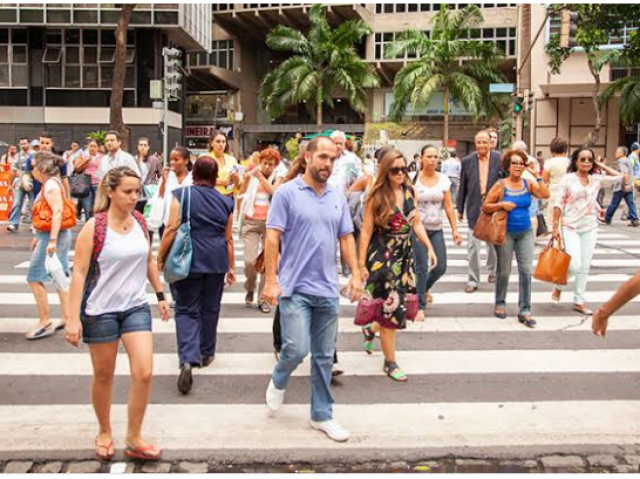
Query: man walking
310, 218
480, 171
20, 194
623, 190
347, 168
451, 167
115, 156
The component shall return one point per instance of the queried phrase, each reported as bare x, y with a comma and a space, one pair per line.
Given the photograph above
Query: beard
317, 174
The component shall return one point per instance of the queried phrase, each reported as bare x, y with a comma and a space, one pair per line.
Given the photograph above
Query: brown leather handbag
492, 227
553, 264
43, 215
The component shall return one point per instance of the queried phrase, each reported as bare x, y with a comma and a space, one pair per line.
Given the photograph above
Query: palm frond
287, 39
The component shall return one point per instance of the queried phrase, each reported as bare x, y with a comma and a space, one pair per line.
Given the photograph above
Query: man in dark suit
480, 171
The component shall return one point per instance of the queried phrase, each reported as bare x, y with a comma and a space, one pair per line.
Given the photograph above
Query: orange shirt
483, 169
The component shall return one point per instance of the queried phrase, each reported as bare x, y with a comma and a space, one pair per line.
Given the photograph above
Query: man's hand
354, 288
271, 293
231, 277
599, 323
460, 216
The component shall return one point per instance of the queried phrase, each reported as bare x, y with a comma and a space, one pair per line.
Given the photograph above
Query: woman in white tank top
108, 303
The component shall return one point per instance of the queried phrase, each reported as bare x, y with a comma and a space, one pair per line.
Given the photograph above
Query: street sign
501, 87
156, 92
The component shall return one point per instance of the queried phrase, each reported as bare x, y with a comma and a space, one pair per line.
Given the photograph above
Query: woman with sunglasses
577, 206
386, 254
433, 192
514, 195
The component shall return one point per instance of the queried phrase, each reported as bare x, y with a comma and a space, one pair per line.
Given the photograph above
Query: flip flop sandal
392, 370
580, 308
264, 307
40, 333
143, 453
429, 299
369, 338
61, 326
104, 457
502, 315
556, 297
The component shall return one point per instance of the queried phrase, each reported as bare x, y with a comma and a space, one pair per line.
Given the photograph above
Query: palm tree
448, 62
629, 90
324, 59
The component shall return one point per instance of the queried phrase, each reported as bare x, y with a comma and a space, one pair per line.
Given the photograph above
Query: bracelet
160, 296
53, 240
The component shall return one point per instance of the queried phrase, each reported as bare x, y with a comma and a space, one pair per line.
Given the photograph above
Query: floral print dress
390, 263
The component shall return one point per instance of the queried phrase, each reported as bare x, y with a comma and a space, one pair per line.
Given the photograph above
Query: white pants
474, 245
580, 246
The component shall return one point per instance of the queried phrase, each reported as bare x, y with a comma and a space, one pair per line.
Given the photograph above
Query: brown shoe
470, 288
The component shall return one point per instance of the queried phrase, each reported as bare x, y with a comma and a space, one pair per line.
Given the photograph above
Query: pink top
92, 167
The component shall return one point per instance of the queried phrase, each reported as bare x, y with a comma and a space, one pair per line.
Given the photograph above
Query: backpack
99, 237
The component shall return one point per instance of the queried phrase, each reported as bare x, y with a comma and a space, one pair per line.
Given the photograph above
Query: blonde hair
110, 182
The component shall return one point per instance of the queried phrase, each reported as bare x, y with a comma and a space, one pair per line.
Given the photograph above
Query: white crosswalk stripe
498, 383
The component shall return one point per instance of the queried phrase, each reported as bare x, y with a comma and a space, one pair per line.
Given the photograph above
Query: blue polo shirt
311, 226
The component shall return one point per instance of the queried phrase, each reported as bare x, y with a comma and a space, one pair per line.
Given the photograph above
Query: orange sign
6, 191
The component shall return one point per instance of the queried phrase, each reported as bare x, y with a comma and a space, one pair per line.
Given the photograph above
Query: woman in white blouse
577, 207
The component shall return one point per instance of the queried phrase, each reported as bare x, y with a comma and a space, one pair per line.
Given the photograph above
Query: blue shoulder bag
178, 262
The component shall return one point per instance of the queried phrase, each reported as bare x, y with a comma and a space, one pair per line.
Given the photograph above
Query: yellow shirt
224, 171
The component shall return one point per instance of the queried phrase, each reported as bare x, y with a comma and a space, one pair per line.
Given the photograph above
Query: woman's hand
51, 247
160, 264
433, 259
507, 206
73, 330
234, 179
364, 274
457, 239
165, 310
165, 173
230, 278
555, 234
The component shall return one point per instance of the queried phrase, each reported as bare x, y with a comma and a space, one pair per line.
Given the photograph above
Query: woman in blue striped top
520, 236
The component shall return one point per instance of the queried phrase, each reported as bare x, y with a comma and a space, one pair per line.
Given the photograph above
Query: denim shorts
109, 327
37, 272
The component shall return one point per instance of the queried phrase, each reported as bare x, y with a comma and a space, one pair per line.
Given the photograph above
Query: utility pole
172, 88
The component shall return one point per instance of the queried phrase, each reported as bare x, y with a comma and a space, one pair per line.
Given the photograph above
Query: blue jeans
523, 243
87, 203
617, 197
37, 272
109, 327
425, 278
197, 314
19, 196
309, 324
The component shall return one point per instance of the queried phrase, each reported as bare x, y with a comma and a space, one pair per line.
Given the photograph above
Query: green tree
597, 23
324, 59
448, 62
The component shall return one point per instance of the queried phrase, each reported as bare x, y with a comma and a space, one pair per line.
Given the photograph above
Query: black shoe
635, 223
185, 380
206, 360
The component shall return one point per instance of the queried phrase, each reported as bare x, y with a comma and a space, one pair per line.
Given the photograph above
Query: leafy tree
448, 62
116, 121
322, 60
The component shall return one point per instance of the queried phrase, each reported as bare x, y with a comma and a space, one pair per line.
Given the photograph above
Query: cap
35, 143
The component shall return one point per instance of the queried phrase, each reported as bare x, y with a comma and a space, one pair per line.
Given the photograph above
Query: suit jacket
469, 190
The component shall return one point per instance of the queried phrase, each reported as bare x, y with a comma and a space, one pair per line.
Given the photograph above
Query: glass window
502, 46
54, 76
165, 18
90, 77
413, 7
4, 75
388, 8
501, 32
4, 35
130, 78
474, 34
8, 15
72, 76
4, 54
52, 55
140, 18
231, 59
54, 37
425, 7
90, 55
201, 58
401, 7
192, 60
31, 16
108, 37
85, 16
130, 55
387, 37
72, 55
72, 37
19, 54
378, 52
222, 59
59, 16
109, 16
107, 55
20, 75
487, 33
106, 75
90, 37
378, 8
512, 48
19, 35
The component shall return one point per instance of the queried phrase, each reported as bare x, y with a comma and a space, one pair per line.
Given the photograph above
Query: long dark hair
573, 166
382, 195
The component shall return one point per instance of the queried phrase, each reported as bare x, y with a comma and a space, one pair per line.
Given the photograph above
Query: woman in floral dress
386, 254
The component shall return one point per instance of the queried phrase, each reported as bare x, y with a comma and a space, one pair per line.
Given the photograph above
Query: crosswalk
477, 384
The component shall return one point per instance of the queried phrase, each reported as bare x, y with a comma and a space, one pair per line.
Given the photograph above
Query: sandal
264, 307
555, 296
500, 313
143, 453
429, 298
421, 316
392, 370
527, 320
42, 332
369, 337
580, 308
248, 299
104, 457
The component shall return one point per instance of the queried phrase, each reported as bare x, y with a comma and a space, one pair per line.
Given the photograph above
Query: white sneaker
274, 397
332, 429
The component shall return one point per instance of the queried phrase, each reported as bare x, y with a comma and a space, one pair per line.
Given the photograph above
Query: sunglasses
585, 160
396, 171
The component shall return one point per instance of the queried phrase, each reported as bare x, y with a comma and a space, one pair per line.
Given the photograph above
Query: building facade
225, 83
57, 64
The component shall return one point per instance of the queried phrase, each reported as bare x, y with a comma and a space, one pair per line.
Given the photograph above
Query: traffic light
519, 104
172, 72
568, 28
531, 100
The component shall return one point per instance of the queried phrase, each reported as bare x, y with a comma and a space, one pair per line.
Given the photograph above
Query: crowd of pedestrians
380, 222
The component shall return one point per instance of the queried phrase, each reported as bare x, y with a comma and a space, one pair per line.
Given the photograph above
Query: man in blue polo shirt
310, 218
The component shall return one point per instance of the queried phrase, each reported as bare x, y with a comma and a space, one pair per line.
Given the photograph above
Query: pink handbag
411, 303
368, 310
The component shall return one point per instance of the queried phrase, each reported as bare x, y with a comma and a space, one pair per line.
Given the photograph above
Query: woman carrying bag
199, 294
386, 255
109, 305
577, 207
514, 195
